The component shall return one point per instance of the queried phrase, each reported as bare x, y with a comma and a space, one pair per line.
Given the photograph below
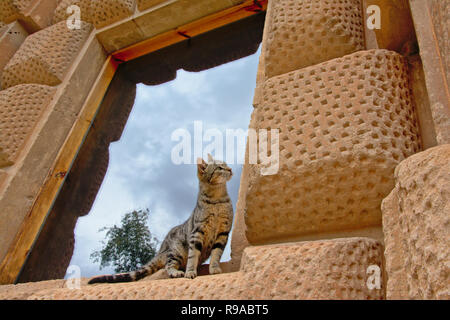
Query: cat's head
213, 171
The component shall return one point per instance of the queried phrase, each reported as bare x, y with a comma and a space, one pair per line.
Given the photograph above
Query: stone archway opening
53, 249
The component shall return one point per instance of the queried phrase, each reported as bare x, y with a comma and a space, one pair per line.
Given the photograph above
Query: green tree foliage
128, 246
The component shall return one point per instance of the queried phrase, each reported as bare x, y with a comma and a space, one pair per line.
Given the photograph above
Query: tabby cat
204, 234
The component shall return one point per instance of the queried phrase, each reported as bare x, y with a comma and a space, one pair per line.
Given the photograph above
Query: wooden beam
30, 228
205, 24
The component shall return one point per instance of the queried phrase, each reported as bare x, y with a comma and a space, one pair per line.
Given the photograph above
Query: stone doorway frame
18, 253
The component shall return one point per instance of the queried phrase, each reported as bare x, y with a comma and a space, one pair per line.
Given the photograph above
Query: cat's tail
154, 265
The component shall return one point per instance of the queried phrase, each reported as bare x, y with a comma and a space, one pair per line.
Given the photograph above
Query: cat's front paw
190, 274
176, 273
214, 269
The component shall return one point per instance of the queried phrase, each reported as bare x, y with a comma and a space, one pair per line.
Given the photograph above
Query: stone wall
363, 115
347, 118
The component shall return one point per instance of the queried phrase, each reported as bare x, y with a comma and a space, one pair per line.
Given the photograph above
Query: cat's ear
210, 158
201, 165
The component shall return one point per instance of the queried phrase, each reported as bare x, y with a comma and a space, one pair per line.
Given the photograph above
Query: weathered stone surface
238, 239
10, 9
431, 25
37, 161
23, 291
329, 269
343, 126
45, 56
422, 103
396, 30
168, 16
302, 33
416, 219
107, 12
147, 4
61, 10
325, 269
440, 17
3, 176
441, 118
98, 12
11, 38
20, 108
176, 14
33, 14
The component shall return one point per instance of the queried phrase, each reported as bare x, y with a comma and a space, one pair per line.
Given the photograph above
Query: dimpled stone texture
329, 269
10, 9
20, 108
11, 38
302, 33
325, 269
343, 127
98, 12
146, 4
61, 10
45, 56
110, 11
416, 220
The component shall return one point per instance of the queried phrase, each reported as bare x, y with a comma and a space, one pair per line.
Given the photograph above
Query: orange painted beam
192, 29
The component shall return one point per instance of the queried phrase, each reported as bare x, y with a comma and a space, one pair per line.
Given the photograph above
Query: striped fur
204, 234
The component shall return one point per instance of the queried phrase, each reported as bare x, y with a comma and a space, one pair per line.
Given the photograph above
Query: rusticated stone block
20, 108
61, 10
33, 14
343, 126
11, 38
328, 269
45, 56
302, 33
98, 12
416, 219
10, 9
146, 4
325, 269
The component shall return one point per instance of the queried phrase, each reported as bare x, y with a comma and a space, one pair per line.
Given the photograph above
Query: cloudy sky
141, 173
